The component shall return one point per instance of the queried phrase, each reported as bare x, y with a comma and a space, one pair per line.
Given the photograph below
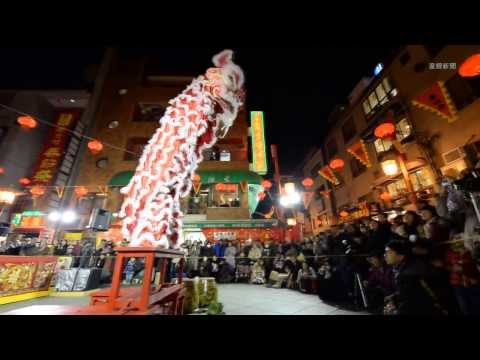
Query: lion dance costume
193, 122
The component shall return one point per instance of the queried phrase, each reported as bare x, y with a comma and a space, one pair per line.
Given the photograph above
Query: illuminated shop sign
258, 143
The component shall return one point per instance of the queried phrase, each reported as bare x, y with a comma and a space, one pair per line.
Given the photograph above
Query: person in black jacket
380, 235
413, 295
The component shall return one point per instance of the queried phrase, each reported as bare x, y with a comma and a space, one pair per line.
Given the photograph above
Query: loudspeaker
100, 220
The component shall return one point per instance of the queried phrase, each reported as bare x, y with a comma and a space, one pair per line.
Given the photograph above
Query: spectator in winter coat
306, 278
268, 254
230, 253
437, 231
129, 270
379, 282
258, 273
380, 235
412, 295
219, 249
255, 252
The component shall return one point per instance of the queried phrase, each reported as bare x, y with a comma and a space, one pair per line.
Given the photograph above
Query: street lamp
387, 131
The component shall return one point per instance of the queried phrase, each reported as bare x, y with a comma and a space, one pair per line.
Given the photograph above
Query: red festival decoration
95, 147
344, 214
266, 184
37, 191
192, 123
307, 182
2, 170
470, 67
81, 191
337, 164
25, 181
27, 122
226, 187
196, 178
328, 174
359, 151
437, 100
385, 131
53, 151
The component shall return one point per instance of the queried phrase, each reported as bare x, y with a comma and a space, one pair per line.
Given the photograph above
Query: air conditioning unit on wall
454, 155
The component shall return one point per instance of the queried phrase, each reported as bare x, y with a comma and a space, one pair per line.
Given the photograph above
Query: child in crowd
306, 279
379, 283
258, 273
129, 270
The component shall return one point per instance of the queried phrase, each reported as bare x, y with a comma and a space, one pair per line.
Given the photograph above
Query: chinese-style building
434, 111
133, 99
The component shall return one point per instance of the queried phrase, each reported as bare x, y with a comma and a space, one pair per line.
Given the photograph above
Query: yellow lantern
390, 167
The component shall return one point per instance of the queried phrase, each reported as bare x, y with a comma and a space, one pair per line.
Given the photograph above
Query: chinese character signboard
52, 153
258, 143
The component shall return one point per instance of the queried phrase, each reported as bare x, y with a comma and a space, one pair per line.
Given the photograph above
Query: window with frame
463, 91
332, 148
404, 129
420, 180
198, 203
397, 188
382, 94
225, 195
148, 112
349, 130
320, 198
134, 148
382, 145
357, 167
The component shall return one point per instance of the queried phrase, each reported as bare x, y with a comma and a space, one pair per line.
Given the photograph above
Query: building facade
433, 146
132, 101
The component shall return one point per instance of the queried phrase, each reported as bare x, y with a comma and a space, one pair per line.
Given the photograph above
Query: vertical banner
259, 152
54, 148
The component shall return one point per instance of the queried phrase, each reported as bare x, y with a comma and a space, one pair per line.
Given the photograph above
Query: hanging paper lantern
37, 190
95, 146
2, 170
267, 185
24, 181
386, 196
261, 196
385, 131
27, 122
337, 164
470, 67
81, 191
308, 182
343, 214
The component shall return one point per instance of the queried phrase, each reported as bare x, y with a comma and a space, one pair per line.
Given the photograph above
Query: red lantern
337, 164
470, 67
27, 122
37, 190
385, 131
343, 214
308, 182
2, 170
261, 196
386, 196
267, 185
81, 191
24, 181
95, 147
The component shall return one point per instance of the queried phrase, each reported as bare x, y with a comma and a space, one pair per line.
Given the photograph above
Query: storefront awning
229, 224
207, 177
235, 176
121, 178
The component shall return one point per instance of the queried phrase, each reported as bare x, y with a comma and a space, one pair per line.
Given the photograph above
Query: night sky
296, 88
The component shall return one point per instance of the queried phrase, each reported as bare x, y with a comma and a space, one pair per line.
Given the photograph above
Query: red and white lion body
204, 111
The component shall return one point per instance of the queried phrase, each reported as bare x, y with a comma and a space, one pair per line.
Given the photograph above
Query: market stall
25, 277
